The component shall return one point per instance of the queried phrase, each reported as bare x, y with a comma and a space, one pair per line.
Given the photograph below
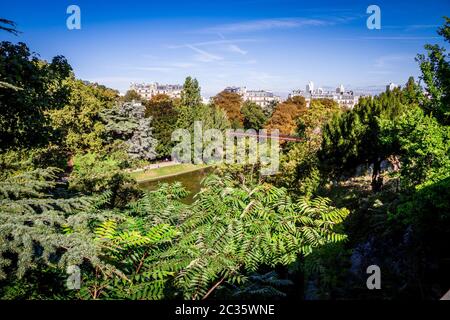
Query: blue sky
269, 44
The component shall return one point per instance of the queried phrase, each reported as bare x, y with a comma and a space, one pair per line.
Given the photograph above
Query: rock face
400, 266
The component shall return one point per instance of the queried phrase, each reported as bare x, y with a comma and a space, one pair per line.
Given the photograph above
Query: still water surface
190, 180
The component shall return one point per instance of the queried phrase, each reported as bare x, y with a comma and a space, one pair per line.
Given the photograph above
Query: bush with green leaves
422, 144
94, 174
34, 218
236, 228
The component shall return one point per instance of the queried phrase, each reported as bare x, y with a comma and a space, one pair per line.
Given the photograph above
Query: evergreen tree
127, 122
354, 137
190, 95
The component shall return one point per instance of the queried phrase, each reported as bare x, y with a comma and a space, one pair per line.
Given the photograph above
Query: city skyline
240, 44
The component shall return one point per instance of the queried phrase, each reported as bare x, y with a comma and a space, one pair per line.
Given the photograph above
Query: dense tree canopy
243, 235
435, 67
353, 137
131, 95
126, 122
40, 88
164, 116
253, 114
79, 123
231, 103
286, 114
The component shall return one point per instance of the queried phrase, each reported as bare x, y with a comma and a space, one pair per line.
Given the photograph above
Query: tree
231, 103
8, 26
164, 118
127, 123
190, 95
232, 234
422, 144
286, 114
189, 104
353, 137
79, 122
300, 165
33, 223
93, 174
23, 113
268, 110
132, 95
435, 69
320, 111
254, 117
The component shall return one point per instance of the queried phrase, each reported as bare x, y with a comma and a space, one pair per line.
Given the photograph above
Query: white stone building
391, 86
344, 98
260, 97
148, 90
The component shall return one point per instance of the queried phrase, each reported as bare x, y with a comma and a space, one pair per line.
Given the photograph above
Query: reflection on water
190, 180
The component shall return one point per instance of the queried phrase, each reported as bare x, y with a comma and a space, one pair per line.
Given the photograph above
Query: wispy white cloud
203, 55
390, 60
155, 69
390, 64
265, 24
398, 38
215, 42
183, 65
412, 27
234, 48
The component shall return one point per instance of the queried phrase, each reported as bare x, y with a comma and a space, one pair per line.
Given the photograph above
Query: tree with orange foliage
231, 103
285, 115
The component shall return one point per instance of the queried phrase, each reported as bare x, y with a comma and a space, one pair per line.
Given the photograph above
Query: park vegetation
370, 185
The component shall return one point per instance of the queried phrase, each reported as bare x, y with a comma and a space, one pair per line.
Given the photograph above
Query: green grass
163, 172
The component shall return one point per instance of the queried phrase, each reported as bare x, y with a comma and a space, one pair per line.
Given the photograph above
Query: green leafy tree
94, 174
236, 228
164, 116
79, 122
300, 164
254, 117
33, 223
353, 137
23, 113
132, 95
435, 67
189, 104
422, 144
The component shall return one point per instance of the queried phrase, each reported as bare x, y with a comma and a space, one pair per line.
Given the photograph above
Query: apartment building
148, 90
262, 98
344, 98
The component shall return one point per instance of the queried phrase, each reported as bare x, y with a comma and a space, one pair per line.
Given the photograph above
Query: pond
190, 180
